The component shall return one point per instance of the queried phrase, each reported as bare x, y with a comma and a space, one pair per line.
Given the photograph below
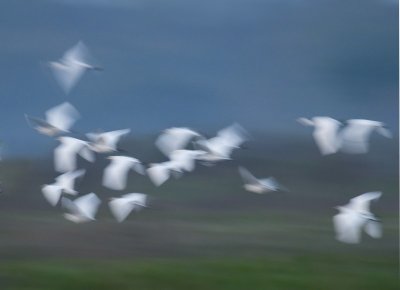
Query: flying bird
174, 139
251, 183
71, 67
65, 155
116, 173
106, 142
355, 217
122, 206
355, 136
180, 161
59, 120
221, 147
64, 184
325, 133
82, 209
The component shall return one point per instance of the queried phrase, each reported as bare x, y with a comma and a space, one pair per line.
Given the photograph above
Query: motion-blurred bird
355, 136
180, 161
251, 183
174, 139
106, 142
122, 206
63, 184
355, 217
325, 133
221, 147
59, 119
82, 209
71, 67
116, 173
65, 155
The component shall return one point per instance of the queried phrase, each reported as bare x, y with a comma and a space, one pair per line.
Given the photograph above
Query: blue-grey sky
202, 64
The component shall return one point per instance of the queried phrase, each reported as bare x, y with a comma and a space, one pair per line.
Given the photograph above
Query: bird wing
65, 158
361, 203
52, 193
183, 159
67, 180
247, 177
348, 227
115, 175
120, 208
158, 173
326, 135
88, 205
36, 122
111, 138
354, 137
384, 132
62, 116
174, 139
374, 229
271, 183
67, 75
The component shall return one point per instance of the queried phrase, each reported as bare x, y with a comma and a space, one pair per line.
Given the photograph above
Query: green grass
277, 273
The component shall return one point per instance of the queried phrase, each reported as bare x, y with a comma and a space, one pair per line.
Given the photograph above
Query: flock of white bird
330, 136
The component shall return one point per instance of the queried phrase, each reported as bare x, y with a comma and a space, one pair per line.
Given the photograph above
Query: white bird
64, 184
325, 133
71, 67
355, 217
180, 161
174, 139
116, 173
251, 183
82, 209
65, 155
355, 136
106, 142
221, 147
59, 119
122, 206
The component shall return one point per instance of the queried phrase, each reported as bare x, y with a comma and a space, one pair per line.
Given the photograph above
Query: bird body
355, 217
71, 67
174, 139
220, 147
116, 173
106, 142
65, 155
251, 183
64, 184
59, 119
82, 209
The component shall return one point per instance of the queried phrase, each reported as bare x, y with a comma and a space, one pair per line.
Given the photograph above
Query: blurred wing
139, 168
67, 75
348, 227
52, 193
115, 176
62, 116
384, 132
158, 174
271, 183
120, 208
361, 203
88, 205
374, 229
111, 138
36, 122
305, 122
173, 140
64, 158
87, 154
355, 138
247, 177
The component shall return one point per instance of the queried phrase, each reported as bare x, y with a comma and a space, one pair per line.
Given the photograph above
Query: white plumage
122, 206
116, 173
